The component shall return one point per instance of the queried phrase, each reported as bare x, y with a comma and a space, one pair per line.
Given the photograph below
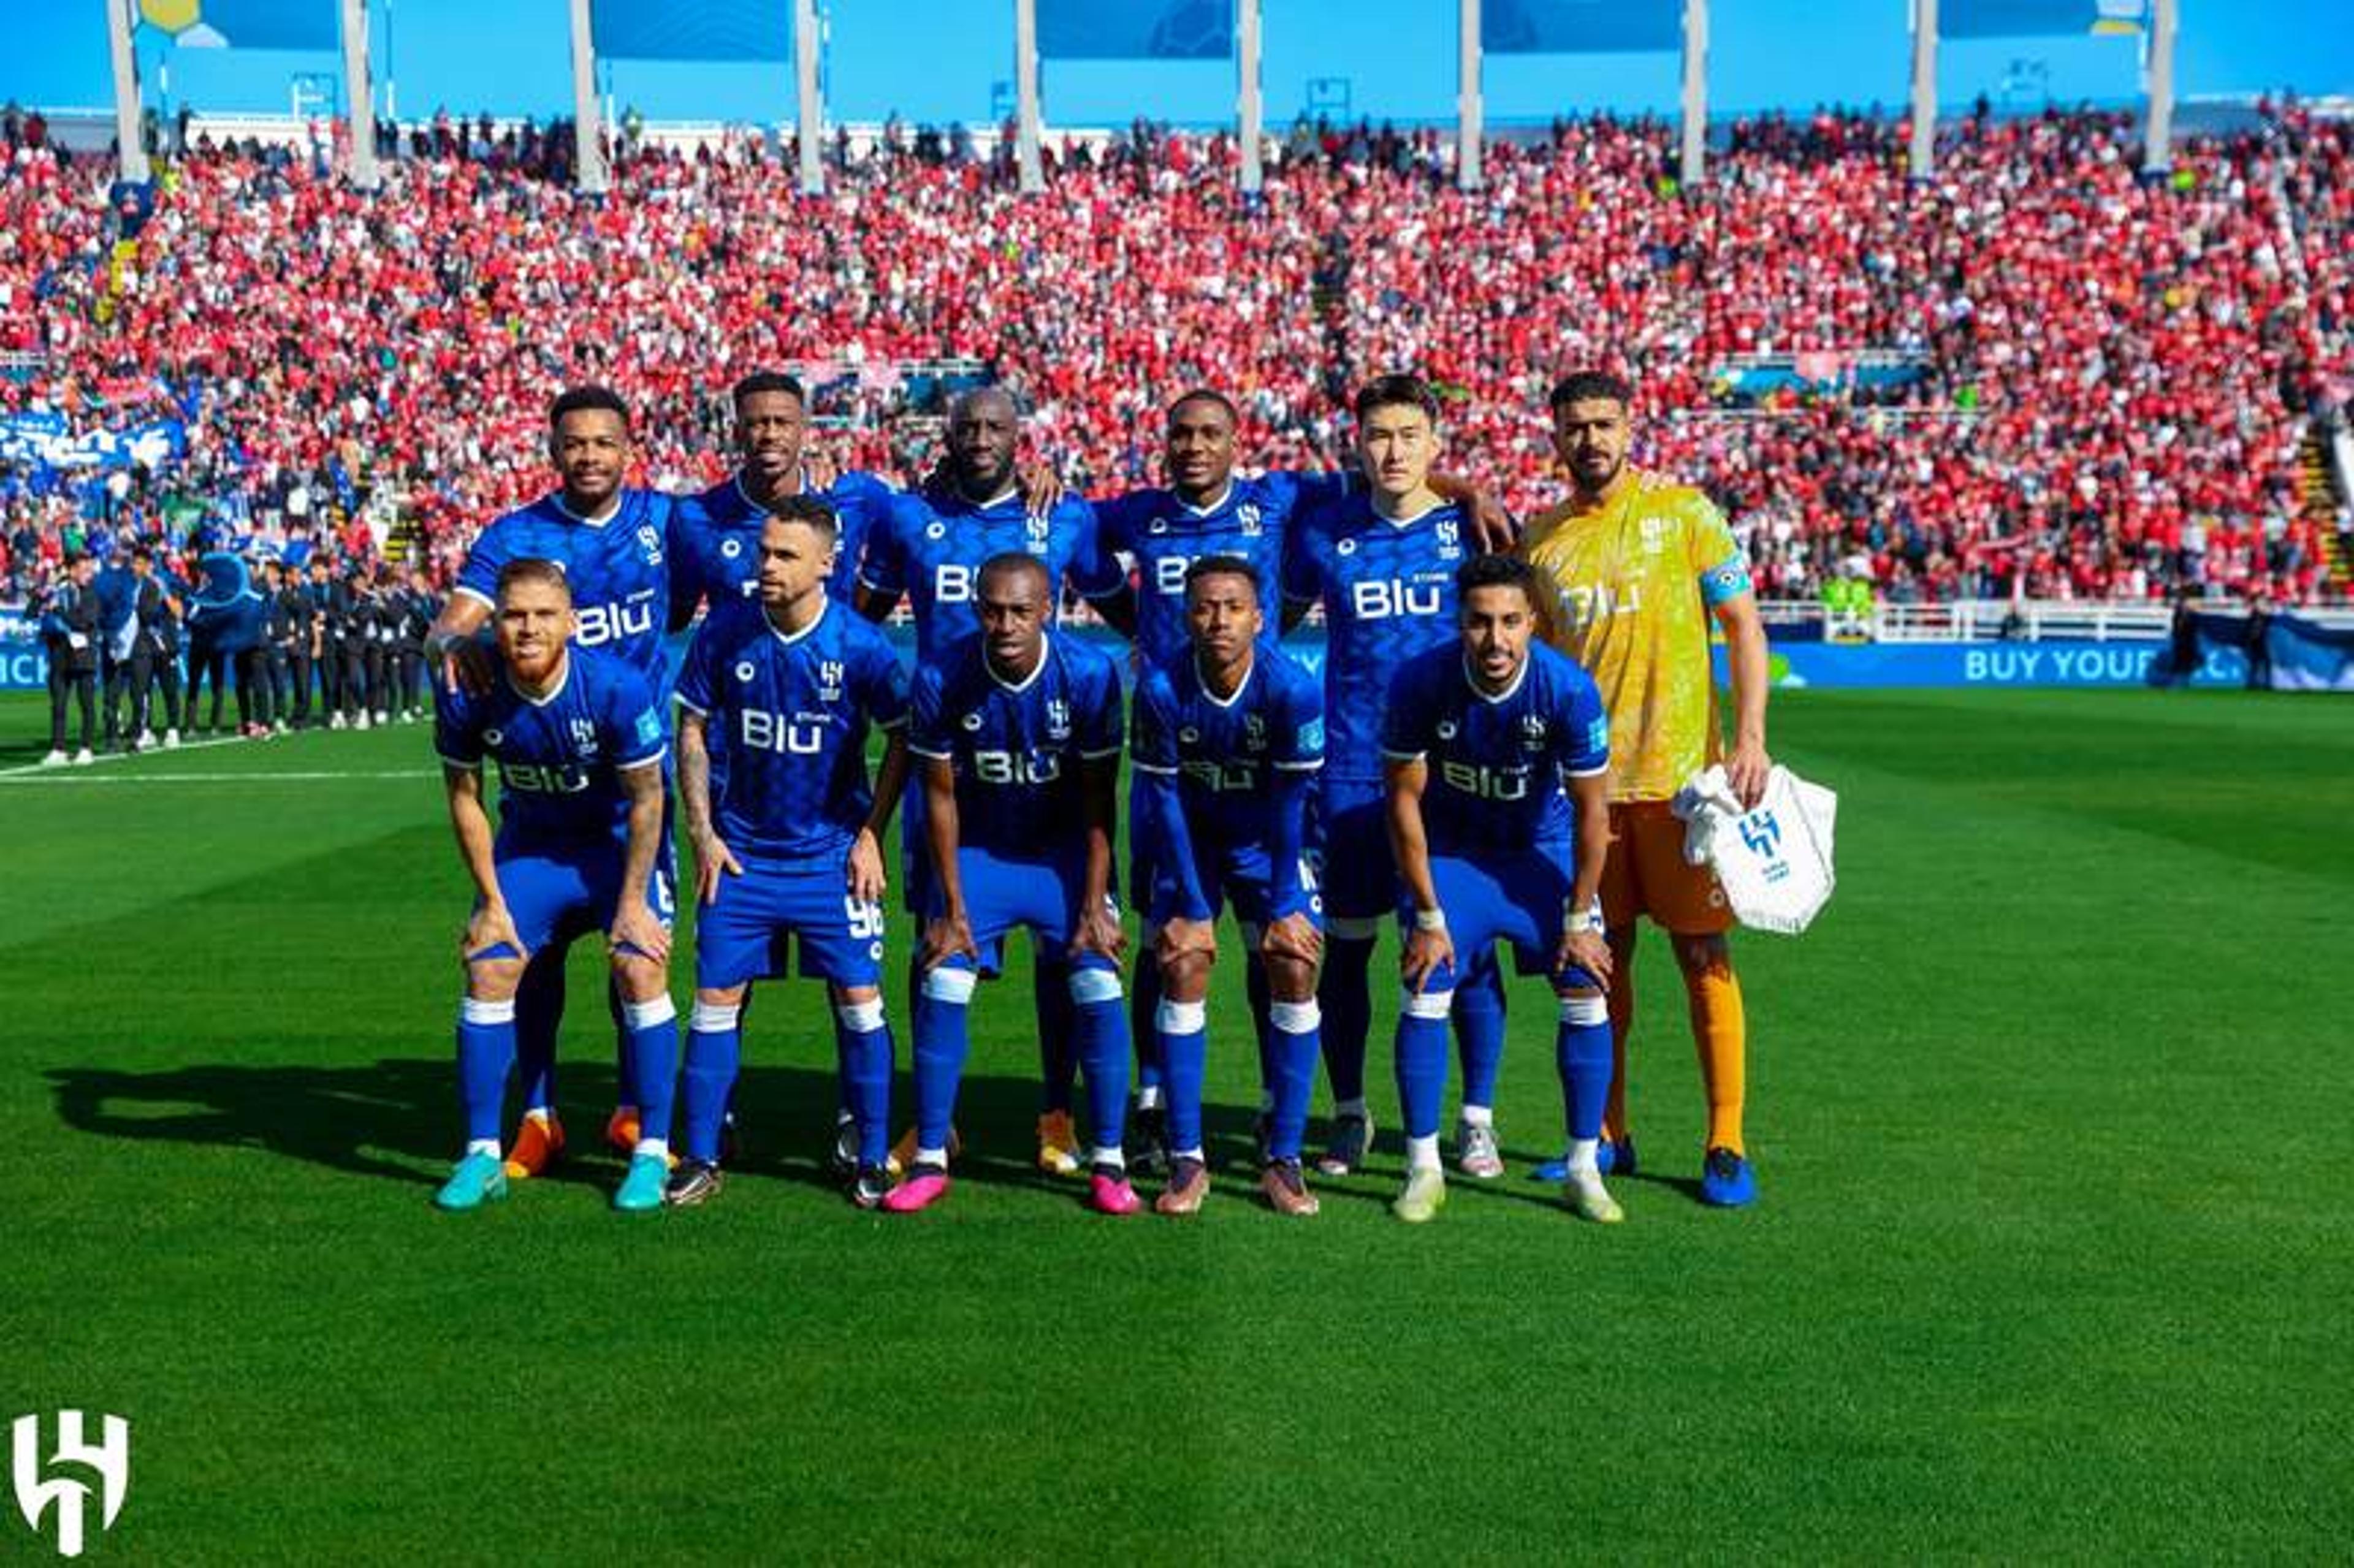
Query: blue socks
1294, 1029
1479, 1030
653, 1031
1185, 1062
943, 1036
866, 1066
1422, 1060
486, 1049
1582, 1053
714, 1046
1099, 1032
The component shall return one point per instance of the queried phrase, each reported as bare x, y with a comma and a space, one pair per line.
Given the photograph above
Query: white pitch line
60, 775
127, 755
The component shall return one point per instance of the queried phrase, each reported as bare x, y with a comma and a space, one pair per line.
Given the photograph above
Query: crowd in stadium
2110, 376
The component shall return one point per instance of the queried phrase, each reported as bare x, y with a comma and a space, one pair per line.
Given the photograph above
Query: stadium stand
2036, 372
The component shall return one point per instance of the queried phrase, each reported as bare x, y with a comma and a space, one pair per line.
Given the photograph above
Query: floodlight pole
1466, 102
588, 129
2157, 133
131, 153
359, 96
813, 110
1026, 95
1923, 159
1692, 168
1249, 110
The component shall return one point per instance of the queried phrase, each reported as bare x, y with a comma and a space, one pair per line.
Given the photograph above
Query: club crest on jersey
584, 736
828, 680
1037, 532
1248, 515
1655, 534
1533, 732
1058, 719
1253, 733
649, 541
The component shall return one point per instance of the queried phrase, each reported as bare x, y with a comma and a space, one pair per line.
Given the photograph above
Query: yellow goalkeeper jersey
1632, 586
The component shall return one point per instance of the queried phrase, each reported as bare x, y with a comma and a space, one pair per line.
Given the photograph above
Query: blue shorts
1241, 876
1351, 831
553, 898
1003, 895
1143, 856
1521, 900
840, 939
916, 893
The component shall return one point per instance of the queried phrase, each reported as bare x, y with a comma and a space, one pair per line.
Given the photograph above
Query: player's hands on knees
1294, 936
1101, 933
1182, 939
1426, 951
712, 858
466, 665
865, 871
1746, 770
489, 926
634, 926
947, 937
1589, 951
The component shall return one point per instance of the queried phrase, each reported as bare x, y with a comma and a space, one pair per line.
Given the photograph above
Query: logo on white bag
1763, 834
65, 1498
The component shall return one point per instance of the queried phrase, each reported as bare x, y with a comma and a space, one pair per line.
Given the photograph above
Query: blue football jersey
932, 549
619, 569
715, 552
557, 756
1497, 762
1159, 536
795, 711
1224, 753
1388, 592
1016, 750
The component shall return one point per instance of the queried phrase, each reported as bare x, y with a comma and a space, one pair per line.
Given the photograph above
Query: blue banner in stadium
1580, 27
244, 24
23, 667
706, 30
2040, 18
47, 441
1136, 29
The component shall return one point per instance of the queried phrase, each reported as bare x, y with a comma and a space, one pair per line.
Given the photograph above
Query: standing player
609, 541
795, 845
1636, 568
931, 547
578, 736
1382, 561
1479, 739
1017, 734
1228, 739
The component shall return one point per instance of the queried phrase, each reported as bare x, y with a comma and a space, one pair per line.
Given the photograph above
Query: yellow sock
1720, 1029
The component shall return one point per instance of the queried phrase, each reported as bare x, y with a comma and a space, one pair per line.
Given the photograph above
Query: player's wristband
1430, 919
1585, 923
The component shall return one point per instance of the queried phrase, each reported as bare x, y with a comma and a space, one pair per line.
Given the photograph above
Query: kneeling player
1226, 741
794, 844
1018, 736
578, 741
1481, 737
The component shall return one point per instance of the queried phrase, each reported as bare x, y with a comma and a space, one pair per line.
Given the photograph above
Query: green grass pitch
2053, 1261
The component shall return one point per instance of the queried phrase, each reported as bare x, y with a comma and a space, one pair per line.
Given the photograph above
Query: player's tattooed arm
712, 856
950, 932
1745, 645
867, 876
455, 644
1099, 928
1427, 946
1493, 527
1584, 941
634, 925
490, 924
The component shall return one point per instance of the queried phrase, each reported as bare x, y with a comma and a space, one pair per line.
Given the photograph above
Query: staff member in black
70, 634
327, 639
155, 653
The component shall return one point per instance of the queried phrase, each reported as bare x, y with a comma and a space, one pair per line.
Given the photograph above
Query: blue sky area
950, 59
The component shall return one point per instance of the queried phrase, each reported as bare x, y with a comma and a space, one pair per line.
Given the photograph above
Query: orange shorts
1647, 874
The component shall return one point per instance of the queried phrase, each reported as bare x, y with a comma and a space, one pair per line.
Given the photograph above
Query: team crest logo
63, 1498
1253, 733
828, 680
1655, 534
492, 737
649, 541
1037, 535
937, 531
1533, 732
1449, 533
1058, 719
584, 736
1248, 515
731, 548
744, 672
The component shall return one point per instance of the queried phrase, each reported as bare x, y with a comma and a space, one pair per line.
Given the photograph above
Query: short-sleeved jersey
1158, 536
619, 569
1016, 749
1223, 752
715, 541
1388, 592
931, 547
1495, 762
795, 710
559, 755
1631, 586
